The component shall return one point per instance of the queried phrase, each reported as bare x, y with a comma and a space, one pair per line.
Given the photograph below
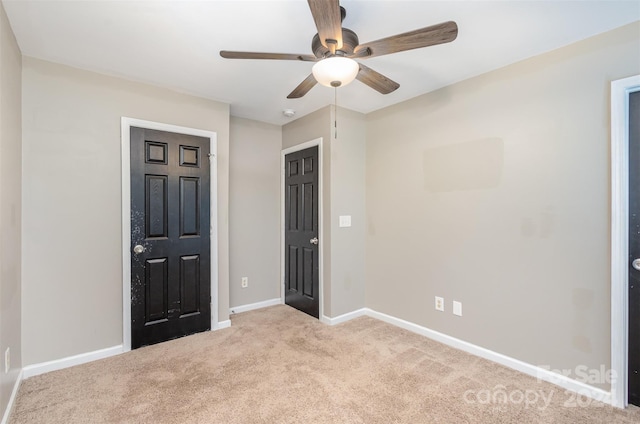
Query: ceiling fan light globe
335, 71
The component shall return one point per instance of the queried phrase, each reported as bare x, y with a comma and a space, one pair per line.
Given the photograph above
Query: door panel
301, 226
634, 249
156, 289
170, 210
292, 276
156, 206
189, 206
308, 223
190, 283
308, 267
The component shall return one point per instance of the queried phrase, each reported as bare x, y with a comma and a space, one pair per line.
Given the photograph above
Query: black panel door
301, 231
634, 248
170, 242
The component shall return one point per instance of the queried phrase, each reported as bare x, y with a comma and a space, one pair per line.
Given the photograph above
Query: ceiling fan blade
376, 80
424, 37
328, 19
274, 56
303, 88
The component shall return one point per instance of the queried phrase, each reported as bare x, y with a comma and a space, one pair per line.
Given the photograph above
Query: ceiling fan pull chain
335, 107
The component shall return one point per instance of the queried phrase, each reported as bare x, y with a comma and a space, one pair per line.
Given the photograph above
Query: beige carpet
277, 365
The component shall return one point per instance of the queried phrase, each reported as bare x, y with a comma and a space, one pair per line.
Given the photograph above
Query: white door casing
620, 91
126, 124
284, 152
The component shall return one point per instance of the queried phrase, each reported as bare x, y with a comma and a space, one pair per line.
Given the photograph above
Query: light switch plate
457, 308
345, 220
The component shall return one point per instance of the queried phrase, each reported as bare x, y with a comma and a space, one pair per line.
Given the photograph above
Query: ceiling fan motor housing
349, 43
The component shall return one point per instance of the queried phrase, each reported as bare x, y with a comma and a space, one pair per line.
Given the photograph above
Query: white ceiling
176, 43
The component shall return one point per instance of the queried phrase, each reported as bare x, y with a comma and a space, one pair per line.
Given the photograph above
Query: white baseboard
524, 367
257, 305
223, 324
344, 317
58, 364
12, 399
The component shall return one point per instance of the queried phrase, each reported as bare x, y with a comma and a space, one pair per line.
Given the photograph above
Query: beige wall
495, 192
72, 273
254, 211
10, 207
343, 178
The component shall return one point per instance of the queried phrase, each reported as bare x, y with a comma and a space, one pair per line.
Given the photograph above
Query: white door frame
126, 124
297, 148
620, 91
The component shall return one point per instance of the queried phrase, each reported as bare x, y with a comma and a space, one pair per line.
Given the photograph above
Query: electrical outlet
245, 282
7, 360
457, 308
439, 304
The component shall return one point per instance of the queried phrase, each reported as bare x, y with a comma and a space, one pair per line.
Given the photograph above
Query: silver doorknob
138, 249
314, 240
636, 264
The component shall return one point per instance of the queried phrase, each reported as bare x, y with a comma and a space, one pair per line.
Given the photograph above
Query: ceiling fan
339, 45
